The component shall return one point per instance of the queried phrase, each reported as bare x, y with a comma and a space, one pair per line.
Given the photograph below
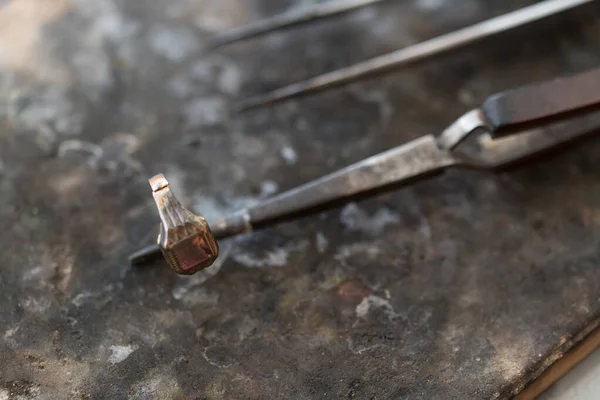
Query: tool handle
539, 104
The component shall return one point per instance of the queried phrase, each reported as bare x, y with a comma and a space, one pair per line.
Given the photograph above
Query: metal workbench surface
464, 287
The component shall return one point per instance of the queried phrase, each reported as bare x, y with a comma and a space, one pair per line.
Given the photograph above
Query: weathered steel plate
466, 286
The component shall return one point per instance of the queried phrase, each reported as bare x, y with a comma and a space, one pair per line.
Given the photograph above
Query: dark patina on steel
466, 286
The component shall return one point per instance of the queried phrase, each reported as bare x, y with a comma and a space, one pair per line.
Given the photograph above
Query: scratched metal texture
463, 287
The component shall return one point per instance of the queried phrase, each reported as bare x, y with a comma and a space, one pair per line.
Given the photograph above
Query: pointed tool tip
249, 104
145, 255
270, 98
241, 108
213, 44
293, 91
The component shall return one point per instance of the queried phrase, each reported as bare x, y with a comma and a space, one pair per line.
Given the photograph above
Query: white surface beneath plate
581, 383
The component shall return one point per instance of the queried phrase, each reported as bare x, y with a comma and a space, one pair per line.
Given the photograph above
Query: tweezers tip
217, 41
254, 103
144, 255
278, 95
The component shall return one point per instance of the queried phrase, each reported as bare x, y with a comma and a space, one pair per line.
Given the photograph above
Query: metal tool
414, 53
288, 19
508, 127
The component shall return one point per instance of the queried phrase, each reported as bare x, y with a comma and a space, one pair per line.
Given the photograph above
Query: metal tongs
508, 127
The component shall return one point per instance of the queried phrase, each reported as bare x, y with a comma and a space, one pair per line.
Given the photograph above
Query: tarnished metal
468, 142
185, 239
455, 133
447, 290
417, 52
514, 110
419, 158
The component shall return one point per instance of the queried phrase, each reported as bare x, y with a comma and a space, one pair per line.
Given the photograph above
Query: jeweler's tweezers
508, 127
417, 52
